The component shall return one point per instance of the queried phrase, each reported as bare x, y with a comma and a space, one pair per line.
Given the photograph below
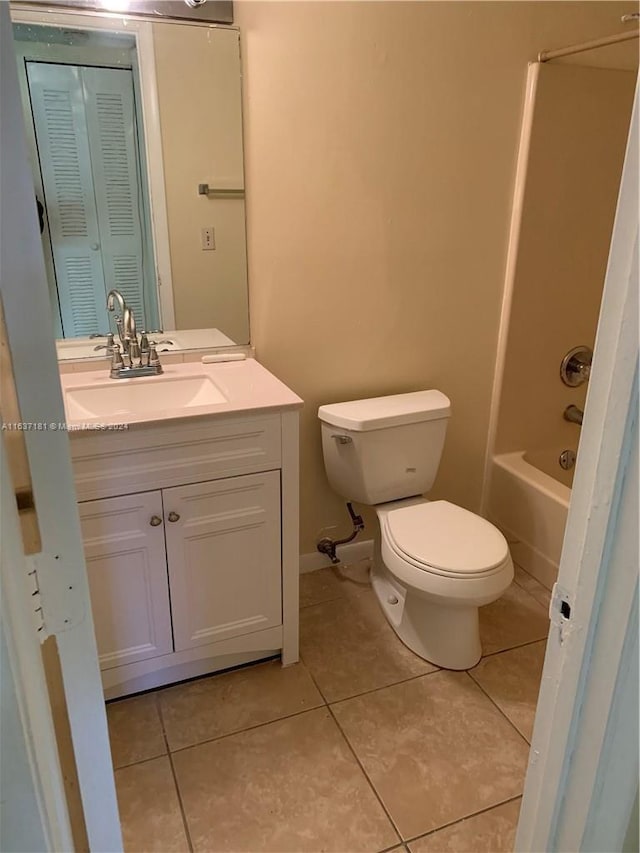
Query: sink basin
143, 396
189, 389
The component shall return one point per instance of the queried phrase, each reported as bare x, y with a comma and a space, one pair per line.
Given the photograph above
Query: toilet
435, 563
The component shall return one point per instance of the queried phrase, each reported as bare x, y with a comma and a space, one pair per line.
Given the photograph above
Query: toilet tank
384, 448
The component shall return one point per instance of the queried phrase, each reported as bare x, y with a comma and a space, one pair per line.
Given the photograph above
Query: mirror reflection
138, 180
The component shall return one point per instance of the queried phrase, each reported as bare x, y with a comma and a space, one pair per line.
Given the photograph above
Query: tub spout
573, 414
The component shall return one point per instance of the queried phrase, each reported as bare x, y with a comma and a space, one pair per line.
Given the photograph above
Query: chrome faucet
134, 360
573, 414
112, 296
130, 334
129, 323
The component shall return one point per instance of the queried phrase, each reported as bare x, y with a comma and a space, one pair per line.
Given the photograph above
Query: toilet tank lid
383, 412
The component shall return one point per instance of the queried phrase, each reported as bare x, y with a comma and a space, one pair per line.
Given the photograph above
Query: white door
33, 807
582, 783
61, 574
223, 551
126, 564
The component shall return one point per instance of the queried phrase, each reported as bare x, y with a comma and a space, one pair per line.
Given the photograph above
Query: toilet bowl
435, 563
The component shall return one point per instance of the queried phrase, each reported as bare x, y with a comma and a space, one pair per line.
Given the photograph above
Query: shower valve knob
576, 366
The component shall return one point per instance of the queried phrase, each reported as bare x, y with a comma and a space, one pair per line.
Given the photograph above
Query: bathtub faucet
576, 366
573, 414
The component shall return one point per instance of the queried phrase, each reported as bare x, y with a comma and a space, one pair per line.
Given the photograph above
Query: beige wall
198, 79
380, 144
578, 138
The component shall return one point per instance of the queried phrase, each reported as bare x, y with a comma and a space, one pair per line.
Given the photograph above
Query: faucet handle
116, 354
108, 346
576, 366
116, 361
154, 360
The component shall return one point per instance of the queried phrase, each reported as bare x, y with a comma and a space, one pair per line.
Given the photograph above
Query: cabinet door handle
155, 520
173, 516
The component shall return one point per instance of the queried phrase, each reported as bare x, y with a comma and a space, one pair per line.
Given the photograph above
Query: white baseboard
350, 553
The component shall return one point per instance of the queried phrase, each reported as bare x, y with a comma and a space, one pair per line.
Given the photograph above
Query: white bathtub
530, 507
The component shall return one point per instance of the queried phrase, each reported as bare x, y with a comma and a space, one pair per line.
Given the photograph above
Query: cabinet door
127, 569
223, 552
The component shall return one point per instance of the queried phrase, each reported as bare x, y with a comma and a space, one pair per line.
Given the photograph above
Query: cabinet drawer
158, 456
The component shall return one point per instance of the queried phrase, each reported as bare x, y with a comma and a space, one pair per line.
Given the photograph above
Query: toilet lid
444, 536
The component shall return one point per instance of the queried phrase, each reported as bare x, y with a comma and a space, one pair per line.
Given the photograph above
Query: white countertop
175, 340
247, 387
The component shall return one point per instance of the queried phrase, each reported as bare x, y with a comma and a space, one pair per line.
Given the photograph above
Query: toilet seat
443, 539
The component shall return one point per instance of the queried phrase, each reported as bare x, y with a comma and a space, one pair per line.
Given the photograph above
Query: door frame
142, 31
58, 568
582, 781
27, 671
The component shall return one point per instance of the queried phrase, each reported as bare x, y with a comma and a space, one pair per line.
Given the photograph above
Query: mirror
134, 131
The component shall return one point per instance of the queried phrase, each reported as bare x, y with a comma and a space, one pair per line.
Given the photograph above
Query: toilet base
447, 636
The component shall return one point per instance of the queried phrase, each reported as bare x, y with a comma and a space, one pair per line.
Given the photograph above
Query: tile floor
362, 746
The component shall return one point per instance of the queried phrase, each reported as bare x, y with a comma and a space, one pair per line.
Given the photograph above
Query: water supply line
328, 546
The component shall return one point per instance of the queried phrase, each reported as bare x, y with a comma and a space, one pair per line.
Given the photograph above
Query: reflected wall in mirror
119, 144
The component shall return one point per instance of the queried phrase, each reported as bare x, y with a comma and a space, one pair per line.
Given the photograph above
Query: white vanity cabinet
190, 532
219, 575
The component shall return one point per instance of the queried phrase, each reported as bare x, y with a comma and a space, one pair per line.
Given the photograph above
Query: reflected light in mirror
115, 5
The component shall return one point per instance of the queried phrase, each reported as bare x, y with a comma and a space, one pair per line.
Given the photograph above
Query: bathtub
530, 506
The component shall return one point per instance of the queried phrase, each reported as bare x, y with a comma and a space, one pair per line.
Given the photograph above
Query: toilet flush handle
342, 439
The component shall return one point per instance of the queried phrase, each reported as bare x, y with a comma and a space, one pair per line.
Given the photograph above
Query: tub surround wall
578, 139
579, 125
547, 462
380, 143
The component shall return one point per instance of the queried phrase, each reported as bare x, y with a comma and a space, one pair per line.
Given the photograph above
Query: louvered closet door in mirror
111, 126
63, 150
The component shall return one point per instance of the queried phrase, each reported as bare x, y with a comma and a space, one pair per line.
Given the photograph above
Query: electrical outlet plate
208, 239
